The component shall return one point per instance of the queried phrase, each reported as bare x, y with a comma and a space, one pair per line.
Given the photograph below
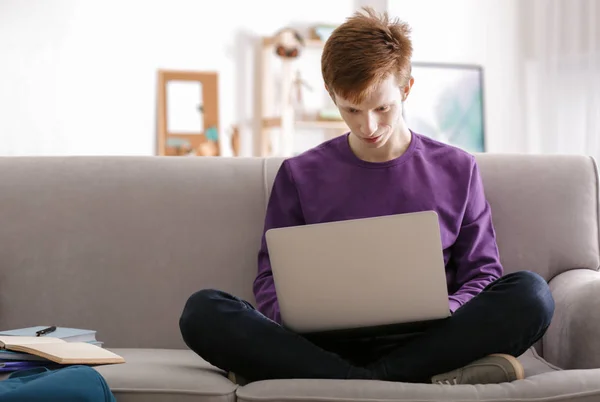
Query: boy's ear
407, 88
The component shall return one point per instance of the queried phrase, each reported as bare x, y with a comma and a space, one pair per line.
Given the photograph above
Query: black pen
45, 331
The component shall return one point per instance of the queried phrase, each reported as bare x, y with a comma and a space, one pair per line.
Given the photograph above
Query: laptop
359, 273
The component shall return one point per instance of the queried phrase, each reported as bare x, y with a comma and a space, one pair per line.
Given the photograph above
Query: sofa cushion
534, 364
543, 383
166, 375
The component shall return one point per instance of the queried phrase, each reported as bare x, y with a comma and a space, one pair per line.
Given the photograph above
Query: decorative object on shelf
446, 103
322, 32
210, 147
296, 100
212, 134
187, 104
178, 147
235, 140
288, 43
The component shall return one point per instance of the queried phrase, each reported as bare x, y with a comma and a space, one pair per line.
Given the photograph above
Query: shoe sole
519, 370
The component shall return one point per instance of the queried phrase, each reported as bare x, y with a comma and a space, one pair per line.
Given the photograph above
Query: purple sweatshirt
329, 183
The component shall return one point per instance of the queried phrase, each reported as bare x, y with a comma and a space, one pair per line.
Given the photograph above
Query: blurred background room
242, 78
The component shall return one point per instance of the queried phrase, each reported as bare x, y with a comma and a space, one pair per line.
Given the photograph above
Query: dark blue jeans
508, 316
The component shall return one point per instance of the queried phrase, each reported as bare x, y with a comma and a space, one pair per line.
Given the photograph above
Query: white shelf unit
276, 131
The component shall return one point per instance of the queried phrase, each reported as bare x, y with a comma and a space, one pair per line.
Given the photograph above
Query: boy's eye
352, 110
384, 108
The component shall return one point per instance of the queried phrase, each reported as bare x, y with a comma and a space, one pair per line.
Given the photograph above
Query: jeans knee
534, 295
199, 307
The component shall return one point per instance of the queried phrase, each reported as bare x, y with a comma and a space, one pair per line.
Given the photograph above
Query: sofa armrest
573, 338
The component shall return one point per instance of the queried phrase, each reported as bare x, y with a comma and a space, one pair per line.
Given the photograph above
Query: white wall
78, 77
483, 32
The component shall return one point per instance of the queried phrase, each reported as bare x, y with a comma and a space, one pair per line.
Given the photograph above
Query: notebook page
28, 340
73, 353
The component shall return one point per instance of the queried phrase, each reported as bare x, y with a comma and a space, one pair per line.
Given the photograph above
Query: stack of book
51, 347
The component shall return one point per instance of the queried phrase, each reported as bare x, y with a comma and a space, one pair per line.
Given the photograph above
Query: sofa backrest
545, 211
118, 244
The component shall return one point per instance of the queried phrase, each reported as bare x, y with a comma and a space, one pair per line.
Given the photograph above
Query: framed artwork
188, 113
446, 103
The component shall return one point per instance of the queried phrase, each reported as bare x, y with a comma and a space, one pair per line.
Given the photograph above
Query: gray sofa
117, 244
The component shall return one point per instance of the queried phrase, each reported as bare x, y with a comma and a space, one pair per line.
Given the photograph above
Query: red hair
364, 51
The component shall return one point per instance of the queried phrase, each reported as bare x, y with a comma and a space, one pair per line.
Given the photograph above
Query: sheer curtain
561, 80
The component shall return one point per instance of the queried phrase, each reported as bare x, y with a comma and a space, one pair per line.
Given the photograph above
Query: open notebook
60, 351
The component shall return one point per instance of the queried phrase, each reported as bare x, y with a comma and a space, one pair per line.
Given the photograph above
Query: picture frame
447, 103
188, 113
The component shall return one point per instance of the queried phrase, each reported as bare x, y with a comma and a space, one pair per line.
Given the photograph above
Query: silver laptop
359, 273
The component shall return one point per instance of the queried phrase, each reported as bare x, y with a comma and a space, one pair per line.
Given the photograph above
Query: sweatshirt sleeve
283, 209
475, 252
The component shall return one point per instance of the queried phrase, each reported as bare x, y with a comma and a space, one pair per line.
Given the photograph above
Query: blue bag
68, 384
